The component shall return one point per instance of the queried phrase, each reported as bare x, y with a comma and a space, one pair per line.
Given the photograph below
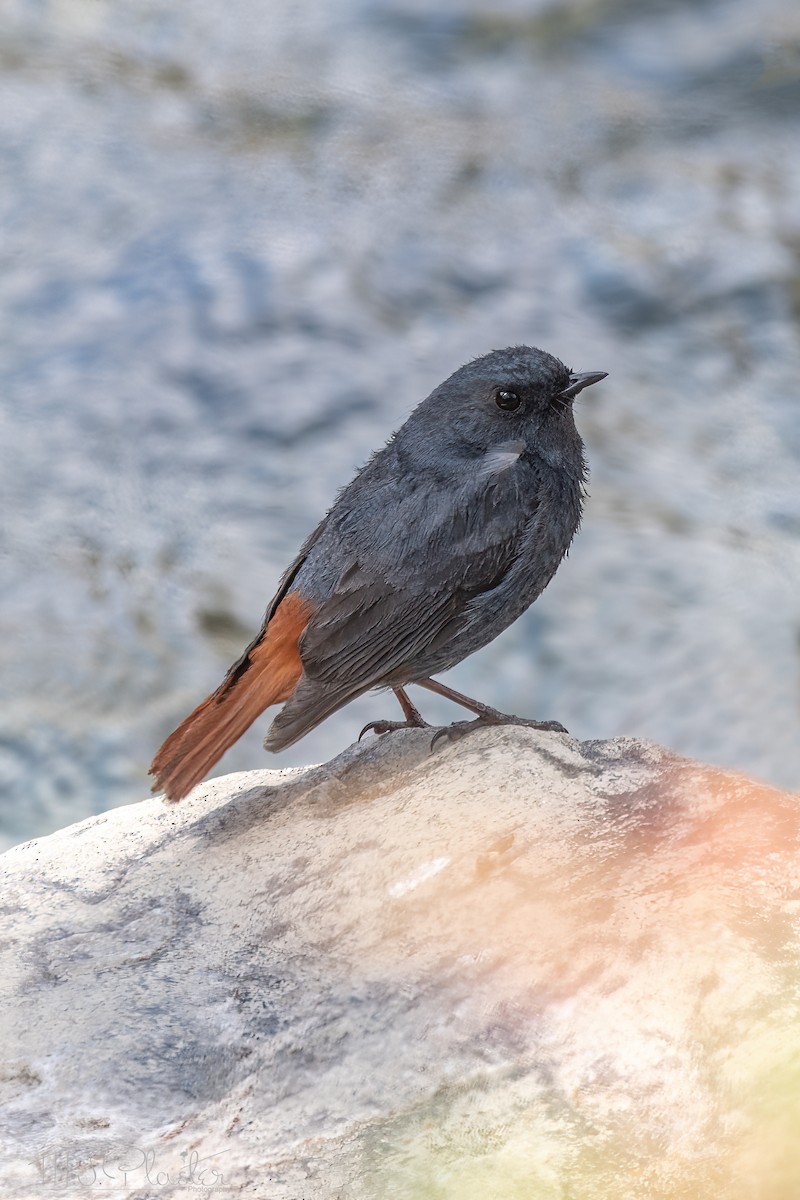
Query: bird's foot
414, 718
380, 727
491, 717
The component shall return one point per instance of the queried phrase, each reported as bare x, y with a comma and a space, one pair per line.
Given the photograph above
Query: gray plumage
443, 539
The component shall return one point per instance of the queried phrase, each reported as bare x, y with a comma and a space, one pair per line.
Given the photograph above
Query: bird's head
520, 396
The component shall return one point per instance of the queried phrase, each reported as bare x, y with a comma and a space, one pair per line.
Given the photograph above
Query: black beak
578, 381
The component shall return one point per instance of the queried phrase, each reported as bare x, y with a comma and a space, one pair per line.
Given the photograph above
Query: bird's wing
402, 596
366, 635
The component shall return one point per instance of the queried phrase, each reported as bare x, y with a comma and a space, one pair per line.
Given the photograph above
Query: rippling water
240, 242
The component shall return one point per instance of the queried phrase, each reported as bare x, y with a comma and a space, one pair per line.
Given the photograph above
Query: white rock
514, 967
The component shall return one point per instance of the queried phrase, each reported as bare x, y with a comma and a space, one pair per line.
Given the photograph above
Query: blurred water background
241, 240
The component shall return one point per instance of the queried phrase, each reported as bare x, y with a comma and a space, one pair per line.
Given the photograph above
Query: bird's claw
545, 726
459, 729
456, 730
381, 727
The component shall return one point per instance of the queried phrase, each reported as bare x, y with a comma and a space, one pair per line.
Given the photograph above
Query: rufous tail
266, 674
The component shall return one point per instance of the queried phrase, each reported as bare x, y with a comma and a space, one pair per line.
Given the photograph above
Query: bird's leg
413, 717
485, 714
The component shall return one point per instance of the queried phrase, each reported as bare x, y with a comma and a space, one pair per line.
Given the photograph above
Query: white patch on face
500, 458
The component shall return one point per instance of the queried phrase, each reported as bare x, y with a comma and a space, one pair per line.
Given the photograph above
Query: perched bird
441, 541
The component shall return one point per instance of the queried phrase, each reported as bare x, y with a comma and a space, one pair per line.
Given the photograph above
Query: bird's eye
509, 401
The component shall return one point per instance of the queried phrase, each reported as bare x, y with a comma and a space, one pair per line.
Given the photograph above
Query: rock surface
519, 966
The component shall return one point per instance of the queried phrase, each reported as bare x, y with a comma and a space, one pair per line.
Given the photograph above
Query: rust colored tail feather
266, 674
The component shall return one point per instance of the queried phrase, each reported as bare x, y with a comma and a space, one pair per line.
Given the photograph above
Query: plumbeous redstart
443, 539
